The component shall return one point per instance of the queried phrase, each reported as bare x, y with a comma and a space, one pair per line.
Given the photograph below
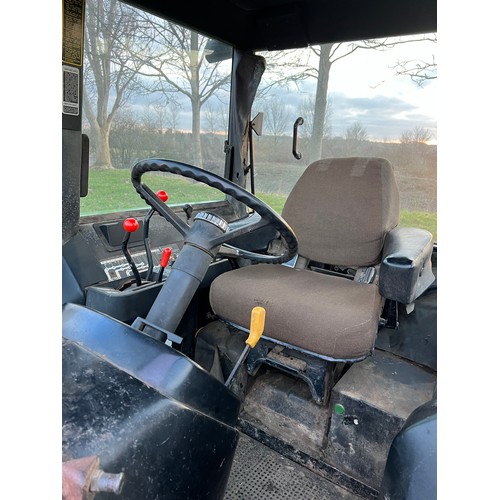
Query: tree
215, 117
418, 135
111, 74
125, 138
277, 116
306, 110
328, 55
172, 112
356, 133
176, 60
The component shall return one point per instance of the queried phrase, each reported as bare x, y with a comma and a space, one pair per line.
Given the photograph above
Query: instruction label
71, 91
118, 267
73, 18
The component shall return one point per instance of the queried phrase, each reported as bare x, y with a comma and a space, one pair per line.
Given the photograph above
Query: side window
368, 98
149, 92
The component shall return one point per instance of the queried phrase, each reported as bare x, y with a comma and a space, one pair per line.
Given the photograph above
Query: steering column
186, 274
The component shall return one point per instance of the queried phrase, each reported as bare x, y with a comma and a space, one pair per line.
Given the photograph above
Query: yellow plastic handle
257, 321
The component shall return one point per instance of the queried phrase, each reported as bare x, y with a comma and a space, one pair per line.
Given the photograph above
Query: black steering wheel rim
227, 187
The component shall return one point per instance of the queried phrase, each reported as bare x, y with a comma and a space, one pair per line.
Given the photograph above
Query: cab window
375, 98
149, 92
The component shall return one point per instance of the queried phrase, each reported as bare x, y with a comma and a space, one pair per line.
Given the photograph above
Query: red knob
130, 225
162, 195
165, 257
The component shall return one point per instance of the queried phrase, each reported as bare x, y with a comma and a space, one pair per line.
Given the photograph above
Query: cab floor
259, 473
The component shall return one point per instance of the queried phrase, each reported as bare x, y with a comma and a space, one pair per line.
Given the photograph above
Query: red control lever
165, 257
162, 195
130, 225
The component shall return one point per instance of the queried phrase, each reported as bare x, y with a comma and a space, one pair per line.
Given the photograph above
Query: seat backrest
342, 208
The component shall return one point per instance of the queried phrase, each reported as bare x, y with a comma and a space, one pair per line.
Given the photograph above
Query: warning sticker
71, 91
72, 50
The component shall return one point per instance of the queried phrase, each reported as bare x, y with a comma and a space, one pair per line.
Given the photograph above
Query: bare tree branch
419, 71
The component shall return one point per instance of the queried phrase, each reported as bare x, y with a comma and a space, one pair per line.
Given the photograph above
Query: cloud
382, 116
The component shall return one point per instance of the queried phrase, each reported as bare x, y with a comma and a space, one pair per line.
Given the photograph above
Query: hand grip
257, 321
298, 121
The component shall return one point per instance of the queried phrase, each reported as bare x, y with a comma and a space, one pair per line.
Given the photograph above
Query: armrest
406, 269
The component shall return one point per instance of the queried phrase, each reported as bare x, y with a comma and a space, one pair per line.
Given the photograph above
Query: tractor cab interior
264, 325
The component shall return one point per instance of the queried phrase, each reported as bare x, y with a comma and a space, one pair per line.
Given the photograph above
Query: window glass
368, 98
149, 93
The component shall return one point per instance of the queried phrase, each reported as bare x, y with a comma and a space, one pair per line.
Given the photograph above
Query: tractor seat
345, 213
329, 316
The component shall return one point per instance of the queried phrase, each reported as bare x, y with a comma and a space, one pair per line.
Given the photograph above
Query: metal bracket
316, 372
165, 336
390, 315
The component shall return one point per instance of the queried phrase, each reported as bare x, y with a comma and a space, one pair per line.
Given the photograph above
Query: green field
112, 191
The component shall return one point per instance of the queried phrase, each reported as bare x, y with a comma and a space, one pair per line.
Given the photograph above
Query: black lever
130, 225
298, 121
188, 210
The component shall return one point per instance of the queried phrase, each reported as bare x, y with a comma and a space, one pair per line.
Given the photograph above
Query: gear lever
130, 225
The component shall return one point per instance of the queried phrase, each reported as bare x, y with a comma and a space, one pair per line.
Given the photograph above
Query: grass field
112, 191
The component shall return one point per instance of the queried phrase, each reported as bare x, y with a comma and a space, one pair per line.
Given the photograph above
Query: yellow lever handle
257, 320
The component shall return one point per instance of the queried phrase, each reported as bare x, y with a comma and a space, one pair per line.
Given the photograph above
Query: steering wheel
264, 215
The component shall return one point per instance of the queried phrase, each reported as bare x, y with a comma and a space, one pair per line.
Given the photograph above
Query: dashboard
96, 272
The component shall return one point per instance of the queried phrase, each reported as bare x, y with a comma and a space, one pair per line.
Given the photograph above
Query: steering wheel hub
213, 219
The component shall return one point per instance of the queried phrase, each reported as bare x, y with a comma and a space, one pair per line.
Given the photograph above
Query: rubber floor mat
259, 473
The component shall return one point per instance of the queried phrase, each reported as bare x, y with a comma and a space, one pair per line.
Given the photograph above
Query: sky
365, 87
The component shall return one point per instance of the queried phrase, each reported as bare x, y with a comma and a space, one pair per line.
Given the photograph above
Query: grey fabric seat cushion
327, 315
342, 208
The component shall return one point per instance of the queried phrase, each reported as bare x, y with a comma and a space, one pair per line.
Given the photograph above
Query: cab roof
285, 24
